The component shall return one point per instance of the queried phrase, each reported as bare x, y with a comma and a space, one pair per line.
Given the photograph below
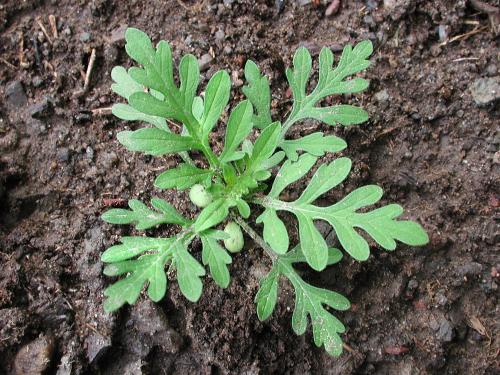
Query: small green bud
199, 196
235, 242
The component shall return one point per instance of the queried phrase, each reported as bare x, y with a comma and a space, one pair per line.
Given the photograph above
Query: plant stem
256, 237
186, 158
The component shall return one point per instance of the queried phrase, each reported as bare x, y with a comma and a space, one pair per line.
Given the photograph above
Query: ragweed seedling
232, 184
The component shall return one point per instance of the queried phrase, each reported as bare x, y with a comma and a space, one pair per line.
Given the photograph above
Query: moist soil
431, 143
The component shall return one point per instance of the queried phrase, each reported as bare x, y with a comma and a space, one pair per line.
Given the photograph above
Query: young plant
229, 186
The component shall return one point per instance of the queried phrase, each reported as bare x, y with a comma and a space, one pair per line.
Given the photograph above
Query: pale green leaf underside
154, 141
143, 217
315, 144
128, 113
182, 177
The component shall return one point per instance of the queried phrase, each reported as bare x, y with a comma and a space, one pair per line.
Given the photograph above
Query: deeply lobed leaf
309, 302
380, 223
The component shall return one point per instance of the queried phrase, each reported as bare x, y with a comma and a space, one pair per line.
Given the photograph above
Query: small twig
481, 6
350, 350
38, 60
93, 329
53, 26
465, 59
90, 67
492, 12
114, 202
174, 124
8, 63
44, 30
22, 63
101, 111
333, 8
88, 74
181, 3
464, 36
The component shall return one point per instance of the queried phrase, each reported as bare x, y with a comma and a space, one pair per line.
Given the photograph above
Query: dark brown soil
429, 310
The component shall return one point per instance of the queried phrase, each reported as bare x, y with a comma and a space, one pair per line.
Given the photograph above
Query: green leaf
148, 268
297, 256
216, 99
264, 146
189, 272
331, 82
313, 245
261, 175
124, 84
158, 70
212, 215
326, 178
150, 105
142, 216
165, 99
299, 75
217, 259
275, 233
259, 94
238, 128
154, 141
352, 61
338, 114
271, 162
315, 144
310, 301
169, 212
133, 246
197, 108
267, 295
182, 177
380, 224
189, 73
243, 208
128, 113
291, 172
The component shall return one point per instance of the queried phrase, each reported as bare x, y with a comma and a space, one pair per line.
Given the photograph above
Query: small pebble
37, 81
382, 96
15, 94
42, 109
442, 33
219, 35
485, 90
491, 70
90, 153
85, 37
205, 61
34, 358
